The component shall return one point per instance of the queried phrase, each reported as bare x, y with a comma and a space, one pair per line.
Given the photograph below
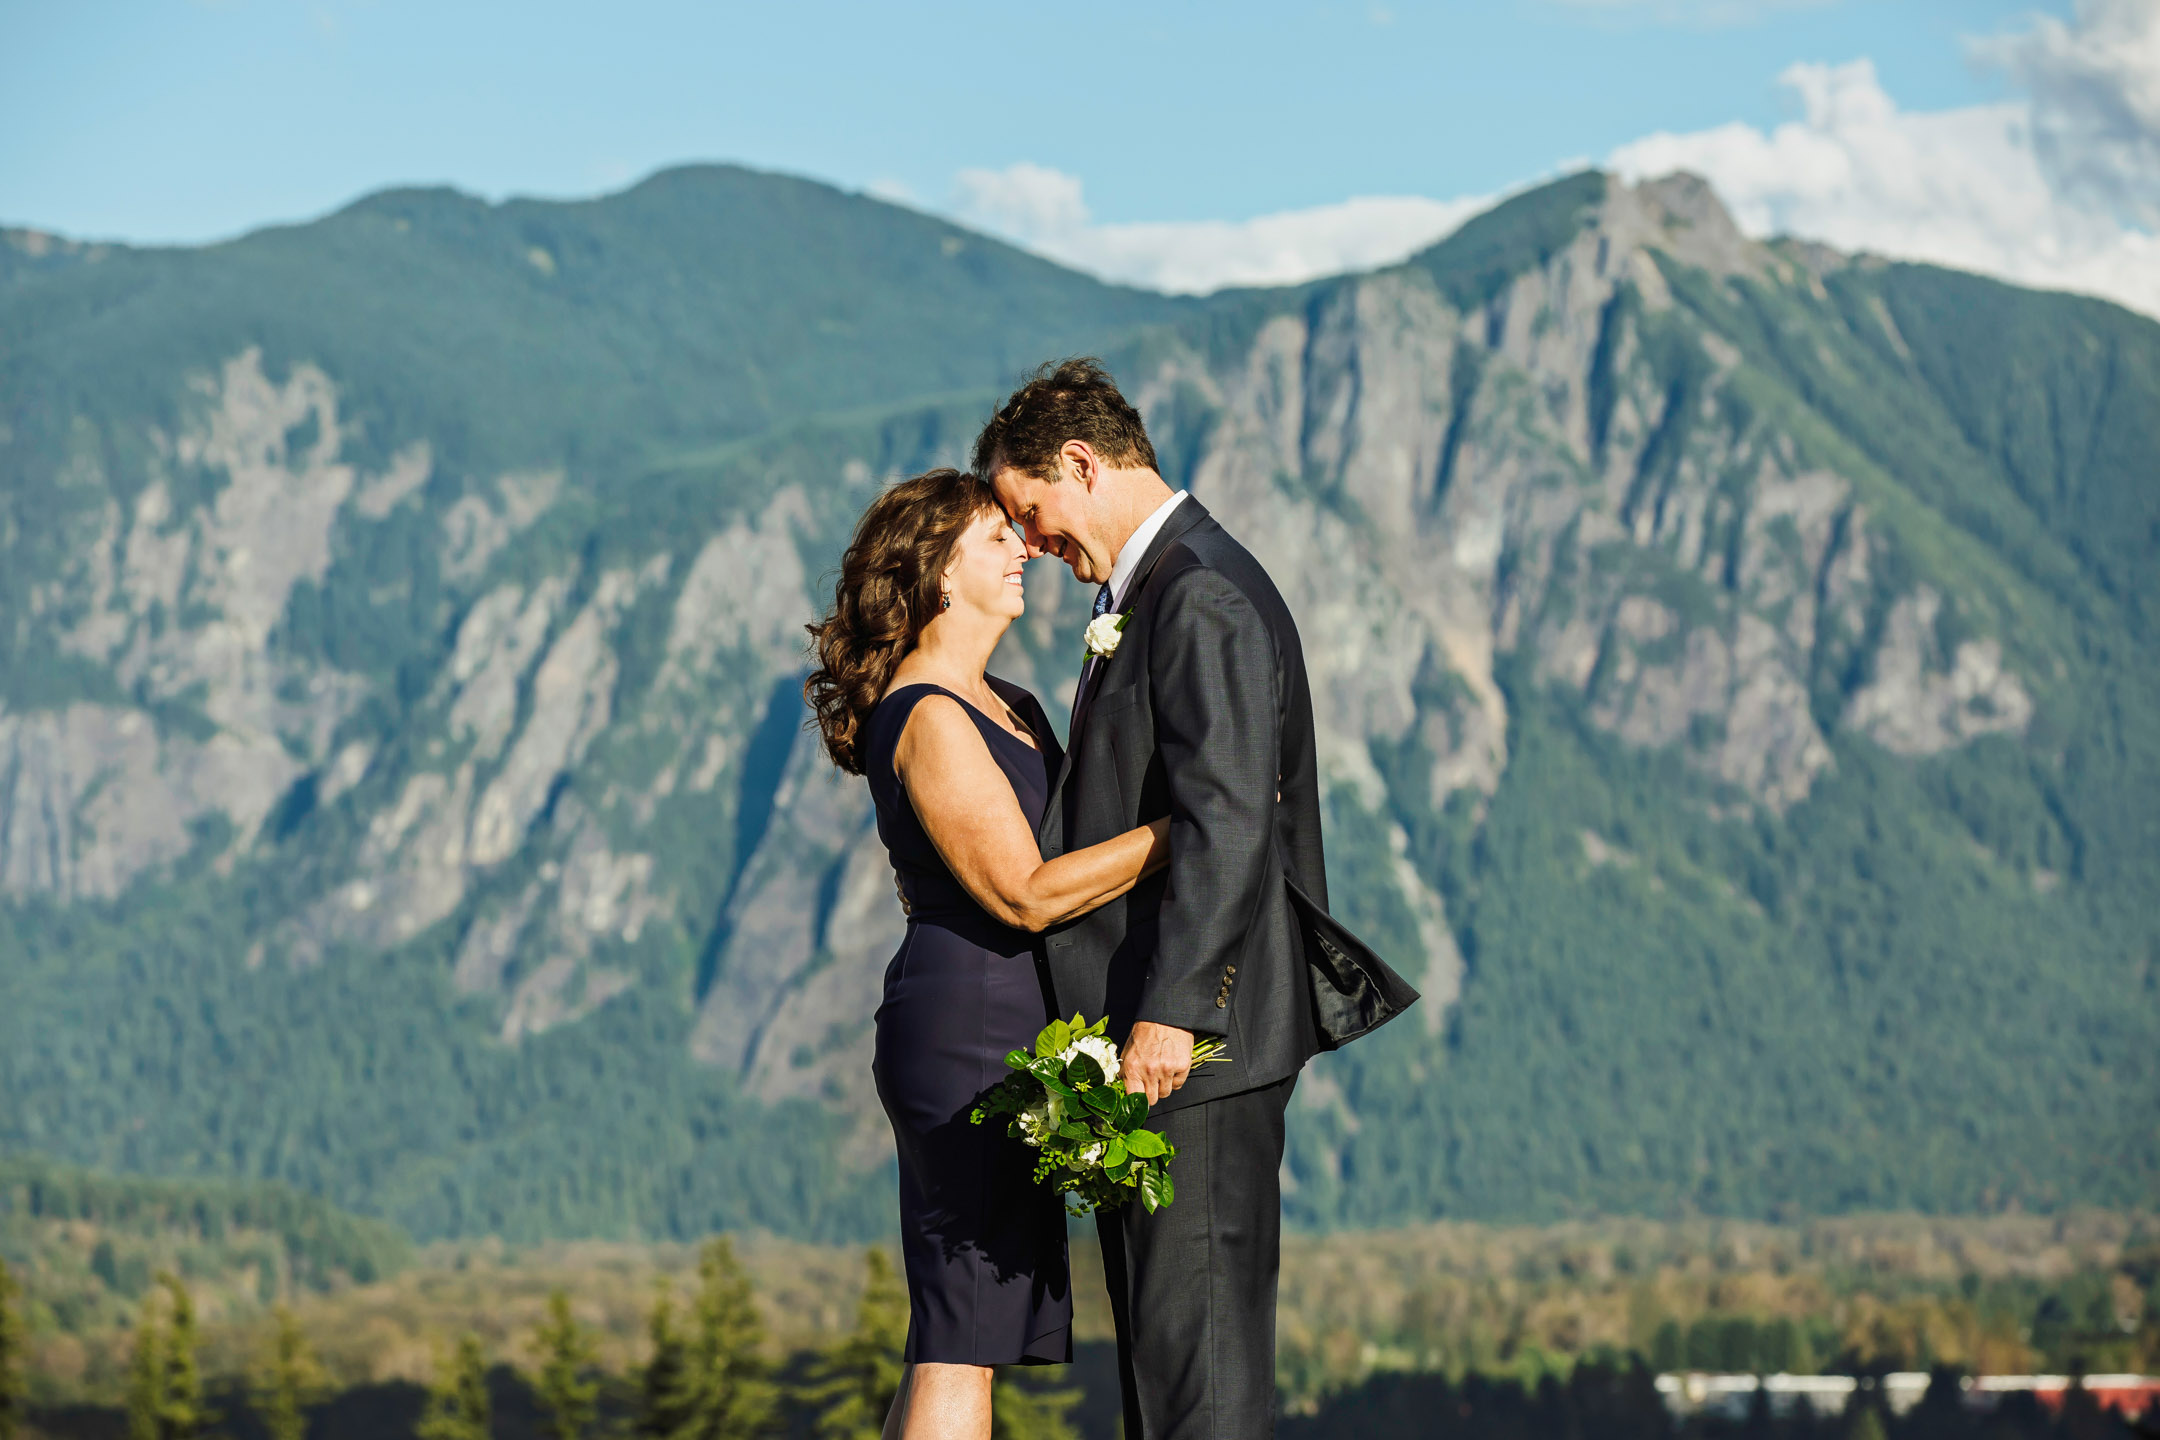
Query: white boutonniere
1104, 632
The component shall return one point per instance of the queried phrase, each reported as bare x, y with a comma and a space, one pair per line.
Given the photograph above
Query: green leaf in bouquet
1152, 1182
1113, 1153
1054, 1037
1104, 1102
1077, 1133
1132, 1109
1018, 1059
1083, 1072
1146, 1144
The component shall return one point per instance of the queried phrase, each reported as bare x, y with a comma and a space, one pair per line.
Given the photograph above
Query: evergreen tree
146, 1375
289, 1382
457, 1407
854, 1383
180, 1411
12, 1396
1022, 1412
668, 1390
735, 1395
572, 1400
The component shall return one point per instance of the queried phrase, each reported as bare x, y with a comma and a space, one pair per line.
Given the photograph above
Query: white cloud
2095, 91
1968, 187
1046, 210
2059, 190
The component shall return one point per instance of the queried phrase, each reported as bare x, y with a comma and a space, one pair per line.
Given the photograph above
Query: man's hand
1156, 1060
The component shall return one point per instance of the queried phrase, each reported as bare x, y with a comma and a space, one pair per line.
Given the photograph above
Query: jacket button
1222, 1002
1229, 970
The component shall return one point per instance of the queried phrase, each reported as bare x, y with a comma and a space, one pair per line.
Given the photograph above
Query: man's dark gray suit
1202, 714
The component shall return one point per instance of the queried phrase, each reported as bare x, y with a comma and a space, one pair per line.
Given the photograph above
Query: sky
1181, 144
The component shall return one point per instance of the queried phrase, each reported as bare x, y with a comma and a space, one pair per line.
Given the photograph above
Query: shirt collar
1129, 558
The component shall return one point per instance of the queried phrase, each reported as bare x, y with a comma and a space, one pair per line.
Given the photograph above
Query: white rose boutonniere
1103, 634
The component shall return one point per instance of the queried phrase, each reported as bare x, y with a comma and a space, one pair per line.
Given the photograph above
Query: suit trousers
1192, 1286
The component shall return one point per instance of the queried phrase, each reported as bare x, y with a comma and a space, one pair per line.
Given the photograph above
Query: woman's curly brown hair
891, 585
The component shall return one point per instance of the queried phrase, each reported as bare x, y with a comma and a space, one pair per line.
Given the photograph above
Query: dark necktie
1087, 671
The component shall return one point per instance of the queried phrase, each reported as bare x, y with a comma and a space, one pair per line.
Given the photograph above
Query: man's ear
1086, 466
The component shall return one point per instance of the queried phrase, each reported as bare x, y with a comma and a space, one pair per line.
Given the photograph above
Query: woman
960, 765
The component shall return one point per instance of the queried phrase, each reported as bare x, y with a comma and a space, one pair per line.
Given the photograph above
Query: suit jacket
1202, 714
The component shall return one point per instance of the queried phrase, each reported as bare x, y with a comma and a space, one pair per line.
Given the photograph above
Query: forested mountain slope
1736, 668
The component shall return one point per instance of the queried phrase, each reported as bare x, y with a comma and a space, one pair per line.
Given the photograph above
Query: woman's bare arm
972, 816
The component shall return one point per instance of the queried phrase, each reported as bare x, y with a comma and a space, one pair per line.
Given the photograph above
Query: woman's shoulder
891, 713
889, 717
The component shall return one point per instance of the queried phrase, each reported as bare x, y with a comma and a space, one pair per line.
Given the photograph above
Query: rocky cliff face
1557, 459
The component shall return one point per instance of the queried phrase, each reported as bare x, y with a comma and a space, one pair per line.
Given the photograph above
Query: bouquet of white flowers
1065, 1101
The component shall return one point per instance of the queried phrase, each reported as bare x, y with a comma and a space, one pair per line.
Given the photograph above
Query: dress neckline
982, 717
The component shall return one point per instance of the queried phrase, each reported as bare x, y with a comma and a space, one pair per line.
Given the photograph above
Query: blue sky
1180, 145
186, 120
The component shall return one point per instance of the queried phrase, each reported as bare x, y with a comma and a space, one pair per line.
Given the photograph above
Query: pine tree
1022, 1412
180, 1411
735, 1394
457, 1407
854, 1383
146, 1376
566, 1355
290, 1380
668, 1392
12, 1396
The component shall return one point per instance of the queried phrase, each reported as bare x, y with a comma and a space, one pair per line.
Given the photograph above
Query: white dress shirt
1128, 559
1121, 576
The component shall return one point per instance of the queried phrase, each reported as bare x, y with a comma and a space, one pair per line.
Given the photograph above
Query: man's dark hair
1072, 400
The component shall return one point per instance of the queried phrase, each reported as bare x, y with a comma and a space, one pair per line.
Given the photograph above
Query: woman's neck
957, 648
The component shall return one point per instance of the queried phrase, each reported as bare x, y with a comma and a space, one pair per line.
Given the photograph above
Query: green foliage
1020, 1410
289, 1380
567, 1390
731, 1380
146, 1379
320, 1243
165, 1392
668, 1384
409, 1106
853, 1385
14, 1382
458, 1407
181, 1414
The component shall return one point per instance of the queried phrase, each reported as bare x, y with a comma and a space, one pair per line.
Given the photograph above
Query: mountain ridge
1710, 678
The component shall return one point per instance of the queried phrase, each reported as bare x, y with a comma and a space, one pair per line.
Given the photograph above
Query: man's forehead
1011, 482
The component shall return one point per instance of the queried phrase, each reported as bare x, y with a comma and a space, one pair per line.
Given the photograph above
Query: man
1199, 711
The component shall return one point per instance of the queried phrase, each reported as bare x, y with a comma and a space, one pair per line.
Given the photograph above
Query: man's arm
1212, 673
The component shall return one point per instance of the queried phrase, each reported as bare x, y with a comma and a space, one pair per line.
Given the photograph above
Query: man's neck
1141, 496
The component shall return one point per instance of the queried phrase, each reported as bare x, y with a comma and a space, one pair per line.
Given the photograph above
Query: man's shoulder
1208, 557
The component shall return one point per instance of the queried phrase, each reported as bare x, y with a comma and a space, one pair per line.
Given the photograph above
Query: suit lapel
1190, 512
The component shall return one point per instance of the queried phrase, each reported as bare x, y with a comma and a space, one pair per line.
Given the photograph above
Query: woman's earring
944, 600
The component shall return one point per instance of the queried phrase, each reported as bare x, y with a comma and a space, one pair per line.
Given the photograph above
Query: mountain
1735, 666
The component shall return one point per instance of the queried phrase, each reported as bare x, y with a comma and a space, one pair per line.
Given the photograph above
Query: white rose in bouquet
1099, 1049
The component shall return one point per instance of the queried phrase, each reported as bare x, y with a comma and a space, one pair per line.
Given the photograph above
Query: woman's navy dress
984, 1245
